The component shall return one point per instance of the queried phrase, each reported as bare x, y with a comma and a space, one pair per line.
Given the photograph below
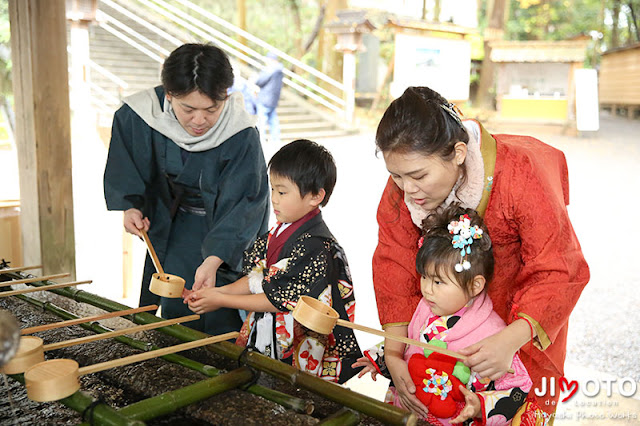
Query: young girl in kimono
299, 256
455, 262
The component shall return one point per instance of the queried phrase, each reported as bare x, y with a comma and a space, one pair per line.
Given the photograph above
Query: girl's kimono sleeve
238, 212
129, 163
500, 405
395, 279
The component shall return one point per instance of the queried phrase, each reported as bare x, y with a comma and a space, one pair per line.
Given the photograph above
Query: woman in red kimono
520, 185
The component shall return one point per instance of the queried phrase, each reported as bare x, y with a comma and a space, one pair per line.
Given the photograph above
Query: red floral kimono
539, 267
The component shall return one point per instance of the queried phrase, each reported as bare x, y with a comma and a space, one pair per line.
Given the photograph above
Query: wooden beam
43, 132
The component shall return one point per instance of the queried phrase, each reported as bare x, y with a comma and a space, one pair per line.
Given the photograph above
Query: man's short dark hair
202, 67
307, 164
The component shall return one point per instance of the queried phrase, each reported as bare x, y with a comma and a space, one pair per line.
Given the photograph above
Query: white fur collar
470, 194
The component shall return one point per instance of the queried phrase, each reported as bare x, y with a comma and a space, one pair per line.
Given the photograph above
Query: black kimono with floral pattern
311, 263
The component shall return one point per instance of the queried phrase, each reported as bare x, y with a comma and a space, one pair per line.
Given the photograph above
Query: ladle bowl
58, 378
30, 352
166, 285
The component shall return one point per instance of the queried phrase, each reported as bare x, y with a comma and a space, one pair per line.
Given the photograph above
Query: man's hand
206, 273
134, 221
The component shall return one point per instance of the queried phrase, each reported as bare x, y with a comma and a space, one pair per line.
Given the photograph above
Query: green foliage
552, 19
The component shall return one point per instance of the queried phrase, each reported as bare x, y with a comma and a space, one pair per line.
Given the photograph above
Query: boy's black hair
307, 164
438, 256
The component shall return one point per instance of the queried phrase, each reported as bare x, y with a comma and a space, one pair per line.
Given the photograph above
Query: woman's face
196, 112
426, 179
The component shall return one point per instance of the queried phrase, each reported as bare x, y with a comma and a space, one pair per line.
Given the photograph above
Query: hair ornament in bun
463, 236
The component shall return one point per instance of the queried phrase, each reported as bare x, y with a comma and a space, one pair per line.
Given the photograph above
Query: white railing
191, 25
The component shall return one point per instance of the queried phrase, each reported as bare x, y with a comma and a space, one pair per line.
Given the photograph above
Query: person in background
521, 188
298, 257
270, 83
185, 164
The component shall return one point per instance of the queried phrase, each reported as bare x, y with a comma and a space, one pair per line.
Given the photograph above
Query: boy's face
287, 203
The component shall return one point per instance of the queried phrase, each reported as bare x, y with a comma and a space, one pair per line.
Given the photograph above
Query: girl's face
426, 180
196, 112
443, 295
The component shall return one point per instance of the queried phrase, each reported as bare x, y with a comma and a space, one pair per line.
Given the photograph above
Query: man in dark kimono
185, 162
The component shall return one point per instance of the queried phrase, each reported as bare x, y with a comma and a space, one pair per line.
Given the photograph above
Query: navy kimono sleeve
240, 208
128, 170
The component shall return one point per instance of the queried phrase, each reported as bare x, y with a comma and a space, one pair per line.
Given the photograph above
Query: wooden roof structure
567, 51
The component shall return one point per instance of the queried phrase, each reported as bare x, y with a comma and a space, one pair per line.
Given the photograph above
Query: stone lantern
349, 27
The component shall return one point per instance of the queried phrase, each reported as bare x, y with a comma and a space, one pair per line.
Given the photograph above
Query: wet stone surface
122, 386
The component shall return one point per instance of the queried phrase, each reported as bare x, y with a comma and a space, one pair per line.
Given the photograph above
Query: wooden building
535, 78
619, 87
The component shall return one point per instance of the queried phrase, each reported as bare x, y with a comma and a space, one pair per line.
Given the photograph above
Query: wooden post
43, 132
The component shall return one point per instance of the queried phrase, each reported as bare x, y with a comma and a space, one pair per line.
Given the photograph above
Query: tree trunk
634, 20
615, 35
494, 31
295, 10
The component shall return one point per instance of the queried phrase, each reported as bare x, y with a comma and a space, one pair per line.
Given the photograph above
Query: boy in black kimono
299, 256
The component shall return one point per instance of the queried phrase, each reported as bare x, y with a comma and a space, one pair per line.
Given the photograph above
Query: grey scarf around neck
233, 119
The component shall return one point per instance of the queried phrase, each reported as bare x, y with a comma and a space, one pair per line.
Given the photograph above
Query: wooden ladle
322, 318
162, 284
58, 378
31, 348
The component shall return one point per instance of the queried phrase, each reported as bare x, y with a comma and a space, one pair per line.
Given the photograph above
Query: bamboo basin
30, 352
166, 285
58, 378
315, 315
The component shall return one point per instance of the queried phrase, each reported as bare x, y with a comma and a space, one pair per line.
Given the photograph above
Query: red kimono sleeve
554, 271
395, 279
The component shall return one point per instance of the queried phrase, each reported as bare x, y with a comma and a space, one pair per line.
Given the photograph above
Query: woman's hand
205, 300
134, 221
491, 357
206, 273
472, 408
368, 367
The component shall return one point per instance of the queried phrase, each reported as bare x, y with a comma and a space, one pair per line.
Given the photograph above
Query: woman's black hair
307, 164
421, 121
437, 256
202, 67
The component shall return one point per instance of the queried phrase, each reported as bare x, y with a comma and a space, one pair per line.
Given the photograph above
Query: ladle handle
34, 279
44, 327
19, 269
152, 252
42, 288
401, 339
406, 340
154, 354
116, 333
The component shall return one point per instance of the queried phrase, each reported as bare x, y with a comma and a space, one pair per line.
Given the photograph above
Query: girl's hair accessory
463, 236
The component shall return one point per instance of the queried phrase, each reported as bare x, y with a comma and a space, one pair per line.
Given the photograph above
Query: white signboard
587, 109
443, 65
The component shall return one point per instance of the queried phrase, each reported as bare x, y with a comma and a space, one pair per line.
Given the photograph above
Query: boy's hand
472, 408
205, 300
368, 367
